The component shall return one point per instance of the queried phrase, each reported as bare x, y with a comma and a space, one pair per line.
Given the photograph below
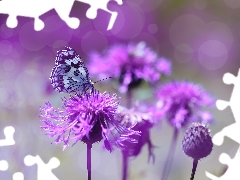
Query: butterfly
69, 73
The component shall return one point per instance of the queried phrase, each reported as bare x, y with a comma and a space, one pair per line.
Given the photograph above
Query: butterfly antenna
102, 80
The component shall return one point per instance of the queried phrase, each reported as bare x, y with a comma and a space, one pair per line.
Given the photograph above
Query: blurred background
200, 38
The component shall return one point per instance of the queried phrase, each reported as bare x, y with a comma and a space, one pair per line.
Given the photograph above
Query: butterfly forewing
69, 73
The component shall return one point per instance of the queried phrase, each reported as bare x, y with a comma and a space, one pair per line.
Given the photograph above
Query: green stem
125, 165
195, 163
89, 147
169, 160
129, 99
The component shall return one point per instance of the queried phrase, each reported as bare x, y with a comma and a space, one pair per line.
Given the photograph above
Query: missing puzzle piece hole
12, 21
218, 139
73, 22
38, 24
91, 13
8, 132
18, 176
221, 105
3, 165
228, 78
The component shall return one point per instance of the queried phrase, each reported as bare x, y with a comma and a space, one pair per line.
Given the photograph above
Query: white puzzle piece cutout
8, 132
233, 172
101, 4
36, 8
232, 131
44, 171
3, 165
18, 176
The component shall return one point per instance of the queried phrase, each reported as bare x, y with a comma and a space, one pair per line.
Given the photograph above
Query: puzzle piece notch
8, 132
44, 170
18, 176
228, 78
233, 172
3, 165
232, 130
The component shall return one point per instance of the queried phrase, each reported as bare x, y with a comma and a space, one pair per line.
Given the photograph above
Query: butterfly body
69, 73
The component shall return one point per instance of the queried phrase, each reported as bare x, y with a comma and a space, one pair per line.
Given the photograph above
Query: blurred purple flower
89, 118
181, 102
129, 64
141, 122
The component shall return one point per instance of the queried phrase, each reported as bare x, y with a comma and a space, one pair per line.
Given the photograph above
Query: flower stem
169, 160
129, 98
89, 147
125, 152
125, 165
195, 163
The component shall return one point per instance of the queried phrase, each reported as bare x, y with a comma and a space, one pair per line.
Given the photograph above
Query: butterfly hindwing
69, 73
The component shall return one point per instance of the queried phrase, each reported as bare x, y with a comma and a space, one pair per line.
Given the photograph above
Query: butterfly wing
69, 73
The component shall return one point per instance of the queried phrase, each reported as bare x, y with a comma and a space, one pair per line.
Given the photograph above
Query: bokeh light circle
58, 45
150, 40
133, 19
30, 39
185, 29
152, 28
93, 40
9, 64
200, 4
183, 53
134, 3
234, 4
3, 97
5, 47
5, 32
212, 54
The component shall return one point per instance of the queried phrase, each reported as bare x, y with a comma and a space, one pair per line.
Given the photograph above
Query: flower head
141, 122
182, 102
89, 117
197, 142
129, 65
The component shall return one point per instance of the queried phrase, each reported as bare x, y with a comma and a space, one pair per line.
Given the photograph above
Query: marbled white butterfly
69, 73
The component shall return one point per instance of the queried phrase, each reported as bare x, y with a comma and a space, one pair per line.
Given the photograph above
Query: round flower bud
197, 142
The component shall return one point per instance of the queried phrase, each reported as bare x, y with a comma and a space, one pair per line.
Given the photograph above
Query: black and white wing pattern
69, 73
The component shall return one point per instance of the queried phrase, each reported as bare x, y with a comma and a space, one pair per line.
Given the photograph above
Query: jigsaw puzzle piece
8, 132
232, 172
101, 4
44, 170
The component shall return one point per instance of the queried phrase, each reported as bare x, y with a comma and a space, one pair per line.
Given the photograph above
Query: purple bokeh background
200, 37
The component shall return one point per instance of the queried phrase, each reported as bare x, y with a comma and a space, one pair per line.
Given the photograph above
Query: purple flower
129, 64
181, 102
141, 122
89, 117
